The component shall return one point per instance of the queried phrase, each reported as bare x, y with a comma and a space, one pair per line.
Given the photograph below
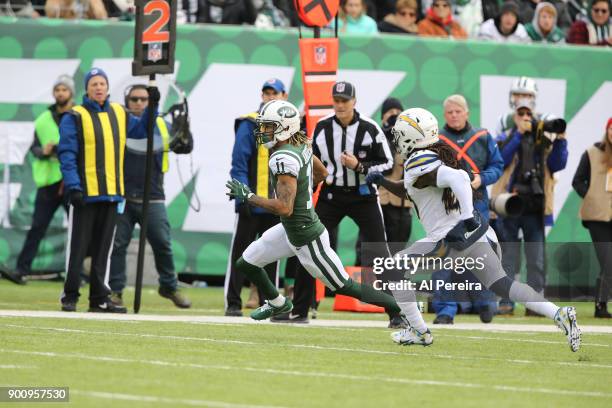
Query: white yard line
536, 328
404, 352
166, 400
319, 374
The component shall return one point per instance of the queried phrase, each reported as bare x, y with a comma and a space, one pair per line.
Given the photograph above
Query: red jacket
579, 34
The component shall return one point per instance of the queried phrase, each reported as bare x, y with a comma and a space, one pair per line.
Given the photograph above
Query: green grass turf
218, 365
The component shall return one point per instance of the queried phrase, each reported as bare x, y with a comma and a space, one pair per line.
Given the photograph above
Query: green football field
169, 357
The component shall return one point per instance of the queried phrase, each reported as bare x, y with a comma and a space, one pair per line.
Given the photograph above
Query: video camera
182, 141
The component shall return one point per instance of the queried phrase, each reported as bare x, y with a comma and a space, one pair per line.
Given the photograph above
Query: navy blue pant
48, 200
158, 236
532, 226
447, 302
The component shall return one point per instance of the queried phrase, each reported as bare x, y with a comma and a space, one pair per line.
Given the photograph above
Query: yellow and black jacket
92, 148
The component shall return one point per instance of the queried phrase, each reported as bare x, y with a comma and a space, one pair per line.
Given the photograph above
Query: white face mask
270, 144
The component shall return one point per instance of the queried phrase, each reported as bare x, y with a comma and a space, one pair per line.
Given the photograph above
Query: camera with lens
547, 130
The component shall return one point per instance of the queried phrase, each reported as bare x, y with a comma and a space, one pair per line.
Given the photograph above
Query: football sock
520, 292
368, 294
406, 299
259, 277
277, 301
413, 315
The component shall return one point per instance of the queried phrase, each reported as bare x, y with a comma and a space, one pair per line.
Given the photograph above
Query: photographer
532, 153
177, 140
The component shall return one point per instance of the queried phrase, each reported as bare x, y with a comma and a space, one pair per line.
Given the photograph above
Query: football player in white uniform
440, 189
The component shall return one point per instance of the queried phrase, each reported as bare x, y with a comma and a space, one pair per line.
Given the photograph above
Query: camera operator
533, 151
179, 140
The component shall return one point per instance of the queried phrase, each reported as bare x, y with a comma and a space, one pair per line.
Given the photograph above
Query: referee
349, 145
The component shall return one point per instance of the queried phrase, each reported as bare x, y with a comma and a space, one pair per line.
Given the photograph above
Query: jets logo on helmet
523, 87
277, 120
415, 128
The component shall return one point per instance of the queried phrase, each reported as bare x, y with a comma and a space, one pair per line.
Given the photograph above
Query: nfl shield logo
154, 53
321, 54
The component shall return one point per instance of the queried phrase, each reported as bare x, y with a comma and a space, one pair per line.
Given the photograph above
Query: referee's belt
343, 189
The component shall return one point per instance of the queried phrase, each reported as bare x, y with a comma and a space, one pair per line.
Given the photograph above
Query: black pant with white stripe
91, 227
334, 204
248, 228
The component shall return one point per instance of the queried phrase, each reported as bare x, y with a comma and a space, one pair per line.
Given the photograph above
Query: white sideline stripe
490, 327
309, 346
166, 400
319, 374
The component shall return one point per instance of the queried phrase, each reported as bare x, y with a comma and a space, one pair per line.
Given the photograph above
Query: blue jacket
556, 161
244, 160
485, 154
135, 164
68, 147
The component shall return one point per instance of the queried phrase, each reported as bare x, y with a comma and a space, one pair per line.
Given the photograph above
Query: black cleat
106, 307
13, 276
176, 297
69, 306
289, 318
486, 315
601, 311
233, 311
443, 319
397, 322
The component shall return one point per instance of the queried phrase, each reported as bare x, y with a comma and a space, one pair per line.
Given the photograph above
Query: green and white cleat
412, 336
267, 310
566, 321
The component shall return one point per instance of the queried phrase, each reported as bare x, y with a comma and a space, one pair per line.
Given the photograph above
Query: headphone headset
129, 90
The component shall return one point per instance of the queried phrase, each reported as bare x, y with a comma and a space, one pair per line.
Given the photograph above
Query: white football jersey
428, 200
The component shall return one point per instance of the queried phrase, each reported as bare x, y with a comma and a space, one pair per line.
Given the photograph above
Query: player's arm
282, 205
319, 171
395, 187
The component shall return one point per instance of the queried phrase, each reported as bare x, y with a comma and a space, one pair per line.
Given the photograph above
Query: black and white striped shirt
362, 137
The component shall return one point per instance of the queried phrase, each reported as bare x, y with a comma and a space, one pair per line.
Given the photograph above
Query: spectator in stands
593, 182
382, 8
527, 9
226, 12
506, 27
70, 10
543, 27
353, 18
439, 22
596, 30
270, 14
403, 21
18, 8
578, 9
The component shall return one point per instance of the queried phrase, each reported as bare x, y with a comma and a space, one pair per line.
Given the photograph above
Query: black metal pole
152, 107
